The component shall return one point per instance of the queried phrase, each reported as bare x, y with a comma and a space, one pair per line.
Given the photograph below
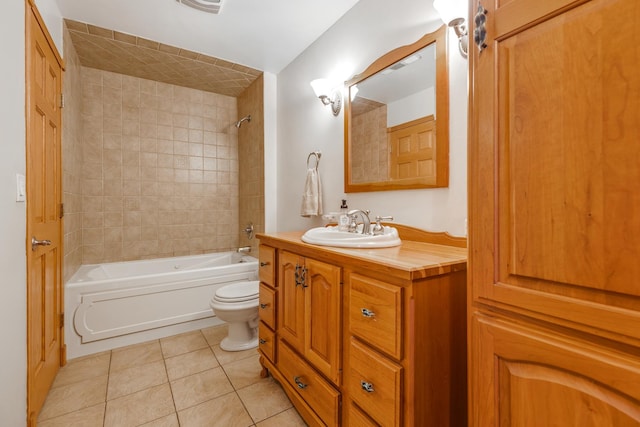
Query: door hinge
62, 100
62, 320
61, 210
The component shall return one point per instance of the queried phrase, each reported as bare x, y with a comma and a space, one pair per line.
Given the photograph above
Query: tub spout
244, 250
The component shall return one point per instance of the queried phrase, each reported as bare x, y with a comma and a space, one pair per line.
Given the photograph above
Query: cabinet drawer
267, 305
267, 342
318, 393
359, 418
267, 265
375, 384
375, 313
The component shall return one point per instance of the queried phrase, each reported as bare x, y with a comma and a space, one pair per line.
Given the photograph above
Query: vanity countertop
411, 260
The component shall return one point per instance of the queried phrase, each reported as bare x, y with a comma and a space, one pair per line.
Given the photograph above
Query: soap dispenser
343, 220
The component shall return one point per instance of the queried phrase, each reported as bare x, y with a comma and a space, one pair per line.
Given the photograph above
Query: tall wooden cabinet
369, 337
554, 222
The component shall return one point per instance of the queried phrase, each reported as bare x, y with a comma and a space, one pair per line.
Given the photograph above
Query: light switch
21, 188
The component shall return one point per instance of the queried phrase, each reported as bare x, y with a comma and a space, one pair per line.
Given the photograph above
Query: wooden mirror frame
442, 114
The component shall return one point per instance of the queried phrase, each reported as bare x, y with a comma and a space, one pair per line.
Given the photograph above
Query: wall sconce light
328, 94
452, 12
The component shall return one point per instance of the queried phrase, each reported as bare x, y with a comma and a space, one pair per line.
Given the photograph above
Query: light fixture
452, 12
328, 94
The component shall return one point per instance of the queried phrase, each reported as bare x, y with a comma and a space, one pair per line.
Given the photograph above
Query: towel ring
317, 155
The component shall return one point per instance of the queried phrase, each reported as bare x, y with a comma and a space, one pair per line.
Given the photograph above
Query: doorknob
35, 243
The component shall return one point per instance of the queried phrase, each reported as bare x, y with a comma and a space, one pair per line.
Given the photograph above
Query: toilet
237, 304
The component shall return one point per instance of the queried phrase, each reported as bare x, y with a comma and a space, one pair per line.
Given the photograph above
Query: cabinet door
291, 299
322, 317
553, 196
539, 378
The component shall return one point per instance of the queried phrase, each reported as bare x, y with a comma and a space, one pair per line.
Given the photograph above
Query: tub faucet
366, 222
244, 250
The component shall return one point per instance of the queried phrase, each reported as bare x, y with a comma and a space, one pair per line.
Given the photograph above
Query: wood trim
411, 123
437, 238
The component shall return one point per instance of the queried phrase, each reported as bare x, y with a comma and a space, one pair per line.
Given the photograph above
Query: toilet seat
238, 292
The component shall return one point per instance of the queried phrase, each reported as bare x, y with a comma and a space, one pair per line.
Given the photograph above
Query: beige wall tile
139, 150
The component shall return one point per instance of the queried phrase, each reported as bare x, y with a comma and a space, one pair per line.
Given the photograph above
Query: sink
332, 236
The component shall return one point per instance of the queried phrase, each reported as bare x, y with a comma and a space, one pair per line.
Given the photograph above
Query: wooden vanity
366, 337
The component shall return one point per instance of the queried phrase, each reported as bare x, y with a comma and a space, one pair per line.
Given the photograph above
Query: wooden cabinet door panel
554, 164
534, 378
322, 317
290, 300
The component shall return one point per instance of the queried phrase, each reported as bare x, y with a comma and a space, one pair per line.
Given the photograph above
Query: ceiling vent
210, 6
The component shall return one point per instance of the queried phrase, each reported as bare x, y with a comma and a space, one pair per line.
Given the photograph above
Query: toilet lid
237, 292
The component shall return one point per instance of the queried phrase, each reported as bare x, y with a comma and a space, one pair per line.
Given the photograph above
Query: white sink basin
332, 236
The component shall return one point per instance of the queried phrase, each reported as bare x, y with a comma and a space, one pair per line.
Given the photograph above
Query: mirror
397, 120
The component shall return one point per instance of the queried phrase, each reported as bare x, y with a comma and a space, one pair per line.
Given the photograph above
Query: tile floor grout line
106, 392
173, 399
131, 358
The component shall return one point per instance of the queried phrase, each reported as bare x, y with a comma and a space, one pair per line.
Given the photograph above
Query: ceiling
122, 53
256, 34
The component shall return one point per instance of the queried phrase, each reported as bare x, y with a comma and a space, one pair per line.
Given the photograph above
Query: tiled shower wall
369, 148
251, 152
72, 159
159, 169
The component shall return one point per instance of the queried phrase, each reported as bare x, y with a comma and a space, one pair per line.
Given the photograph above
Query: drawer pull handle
264, 264
263, 341
367, 313
264, 305
299, 383
368, 387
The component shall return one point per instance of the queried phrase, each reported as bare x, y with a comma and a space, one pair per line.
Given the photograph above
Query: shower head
239, 122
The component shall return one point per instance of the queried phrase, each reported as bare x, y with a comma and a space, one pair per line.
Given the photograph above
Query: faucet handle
378, 228
352, 224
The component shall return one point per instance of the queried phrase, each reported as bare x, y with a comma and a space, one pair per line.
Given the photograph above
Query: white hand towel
312, 195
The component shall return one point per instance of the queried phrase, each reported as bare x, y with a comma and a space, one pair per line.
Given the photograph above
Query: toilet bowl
237, 304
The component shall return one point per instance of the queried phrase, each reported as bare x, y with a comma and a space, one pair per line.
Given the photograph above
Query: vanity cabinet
371, 337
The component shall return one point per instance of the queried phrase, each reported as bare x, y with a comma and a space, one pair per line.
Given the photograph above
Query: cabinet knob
367, 313
263, 341
264, 264
264, 306
299, 382
368, 387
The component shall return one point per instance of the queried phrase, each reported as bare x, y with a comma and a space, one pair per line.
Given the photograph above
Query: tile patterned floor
180, 381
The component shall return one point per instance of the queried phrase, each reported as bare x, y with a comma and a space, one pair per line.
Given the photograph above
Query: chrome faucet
244, 250
366, 222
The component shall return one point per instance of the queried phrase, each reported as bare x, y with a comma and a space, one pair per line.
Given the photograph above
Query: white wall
270, 151
53, 20
367, 31
13, 303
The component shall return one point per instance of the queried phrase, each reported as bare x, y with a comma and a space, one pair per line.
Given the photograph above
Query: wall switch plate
21, 188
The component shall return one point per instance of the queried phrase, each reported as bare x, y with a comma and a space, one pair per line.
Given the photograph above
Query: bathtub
116, 304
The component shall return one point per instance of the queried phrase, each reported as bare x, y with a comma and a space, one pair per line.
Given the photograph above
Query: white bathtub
123, 303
